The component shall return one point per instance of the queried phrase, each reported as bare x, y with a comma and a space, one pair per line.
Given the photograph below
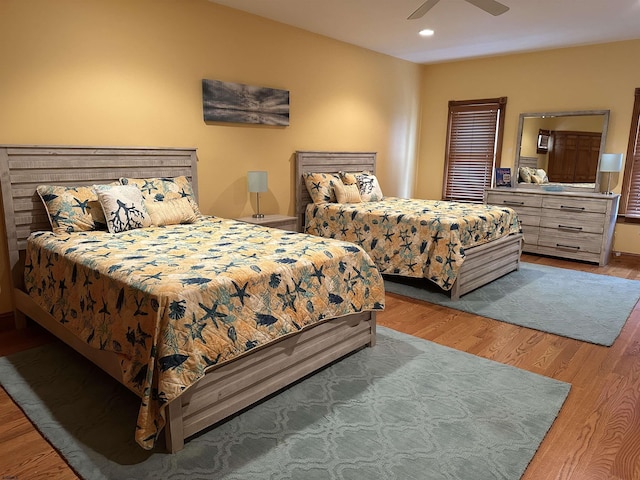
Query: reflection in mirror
560, 150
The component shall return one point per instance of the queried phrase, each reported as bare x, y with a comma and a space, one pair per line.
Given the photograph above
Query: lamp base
608, 192
258, 215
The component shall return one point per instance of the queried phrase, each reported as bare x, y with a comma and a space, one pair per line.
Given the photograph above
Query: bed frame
225, 389
482, 264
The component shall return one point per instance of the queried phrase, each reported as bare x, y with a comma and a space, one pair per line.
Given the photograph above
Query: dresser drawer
514, 200
571, 221
570, 241
528, 216
575, 205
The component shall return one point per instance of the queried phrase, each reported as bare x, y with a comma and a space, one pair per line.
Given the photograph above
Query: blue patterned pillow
164, 188
72, 209
320, 186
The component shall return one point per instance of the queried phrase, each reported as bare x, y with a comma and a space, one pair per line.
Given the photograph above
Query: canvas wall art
239, 103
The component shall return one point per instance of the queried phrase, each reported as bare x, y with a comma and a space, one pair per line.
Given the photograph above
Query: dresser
573, 225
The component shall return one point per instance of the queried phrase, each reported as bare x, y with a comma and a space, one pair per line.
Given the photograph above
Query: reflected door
573, 157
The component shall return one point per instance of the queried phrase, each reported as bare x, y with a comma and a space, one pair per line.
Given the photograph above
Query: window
630, 201
474, 145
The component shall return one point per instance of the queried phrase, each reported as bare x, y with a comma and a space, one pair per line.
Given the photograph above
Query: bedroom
129, 73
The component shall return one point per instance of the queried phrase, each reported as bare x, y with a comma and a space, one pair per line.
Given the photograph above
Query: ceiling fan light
427, 32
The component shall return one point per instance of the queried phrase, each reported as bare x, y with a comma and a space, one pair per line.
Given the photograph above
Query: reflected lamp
257, 182
610, 163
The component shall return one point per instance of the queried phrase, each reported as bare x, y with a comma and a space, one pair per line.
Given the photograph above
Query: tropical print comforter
173, 301
410, 237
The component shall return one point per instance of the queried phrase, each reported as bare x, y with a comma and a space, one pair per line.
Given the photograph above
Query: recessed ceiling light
427, 32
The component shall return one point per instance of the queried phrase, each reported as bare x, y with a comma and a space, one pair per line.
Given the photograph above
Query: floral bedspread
410, 237
175, 300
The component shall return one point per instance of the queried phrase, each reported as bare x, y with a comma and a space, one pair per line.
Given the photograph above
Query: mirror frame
578, 113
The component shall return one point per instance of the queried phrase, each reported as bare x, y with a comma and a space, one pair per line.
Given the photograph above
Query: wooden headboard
326, 162
24, 167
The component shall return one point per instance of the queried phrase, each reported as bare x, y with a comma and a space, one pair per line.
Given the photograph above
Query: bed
488, 259
184, 384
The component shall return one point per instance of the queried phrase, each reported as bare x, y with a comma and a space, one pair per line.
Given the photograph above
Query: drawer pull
569, 207
572, 247
569, 227
510, 202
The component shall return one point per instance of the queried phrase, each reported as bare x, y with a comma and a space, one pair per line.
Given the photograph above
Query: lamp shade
257, 181
611, 162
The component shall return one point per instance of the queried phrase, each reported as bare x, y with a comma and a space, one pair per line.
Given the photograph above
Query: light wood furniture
572, 225
483, 263
225, 389
283, 222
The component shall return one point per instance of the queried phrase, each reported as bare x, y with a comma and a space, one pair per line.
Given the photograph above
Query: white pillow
369, 187
123, 207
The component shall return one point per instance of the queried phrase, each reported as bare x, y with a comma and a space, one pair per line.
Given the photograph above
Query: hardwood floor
595, 437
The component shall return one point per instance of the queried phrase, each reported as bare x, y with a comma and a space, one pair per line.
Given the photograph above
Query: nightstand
283, 222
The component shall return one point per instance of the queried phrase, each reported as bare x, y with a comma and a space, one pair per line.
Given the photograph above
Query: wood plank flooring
595, 437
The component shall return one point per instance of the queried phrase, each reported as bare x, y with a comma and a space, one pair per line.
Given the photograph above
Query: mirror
566, 145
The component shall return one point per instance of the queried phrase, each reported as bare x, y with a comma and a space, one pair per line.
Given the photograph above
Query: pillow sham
542, 175
72, 209
123, 207
171, 212
347, 193
525, 174
320, 186
166, 188
370, 190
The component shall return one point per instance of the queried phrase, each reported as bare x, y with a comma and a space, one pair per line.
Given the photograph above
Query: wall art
239, 103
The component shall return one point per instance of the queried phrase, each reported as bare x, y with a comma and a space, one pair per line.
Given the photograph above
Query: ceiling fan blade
490, 6
422, 9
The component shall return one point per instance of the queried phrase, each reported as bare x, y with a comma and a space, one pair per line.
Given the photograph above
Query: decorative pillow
162, 189
72, 209
542, 175
349, 178
320, 186
347, 193
525, 174
369, 187
123, 207
171, 212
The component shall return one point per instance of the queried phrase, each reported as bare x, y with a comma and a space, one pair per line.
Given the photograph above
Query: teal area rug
405, 409
570, 303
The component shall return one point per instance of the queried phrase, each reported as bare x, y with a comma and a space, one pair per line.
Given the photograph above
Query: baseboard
625, 255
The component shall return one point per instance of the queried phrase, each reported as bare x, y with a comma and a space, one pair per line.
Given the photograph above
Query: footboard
236, 385
487, 262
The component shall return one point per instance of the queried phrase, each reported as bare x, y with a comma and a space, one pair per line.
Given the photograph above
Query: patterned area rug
570, 303
405, 409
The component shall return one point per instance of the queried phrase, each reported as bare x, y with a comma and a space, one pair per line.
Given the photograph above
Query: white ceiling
462, 30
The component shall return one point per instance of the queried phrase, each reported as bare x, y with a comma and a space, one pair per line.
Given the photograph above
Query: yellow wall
129, 72
598, 77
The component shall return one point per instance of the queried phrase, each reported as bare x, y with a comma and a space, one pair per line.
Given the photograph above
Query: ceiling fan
489, 6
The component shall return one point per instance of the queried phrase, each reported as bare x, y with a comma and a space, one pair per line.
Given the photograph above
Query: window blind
630, 205
474, 141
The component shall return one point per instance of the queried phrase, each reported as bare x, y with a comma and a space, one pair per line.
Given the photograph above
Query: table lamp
610, 162
257, 182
